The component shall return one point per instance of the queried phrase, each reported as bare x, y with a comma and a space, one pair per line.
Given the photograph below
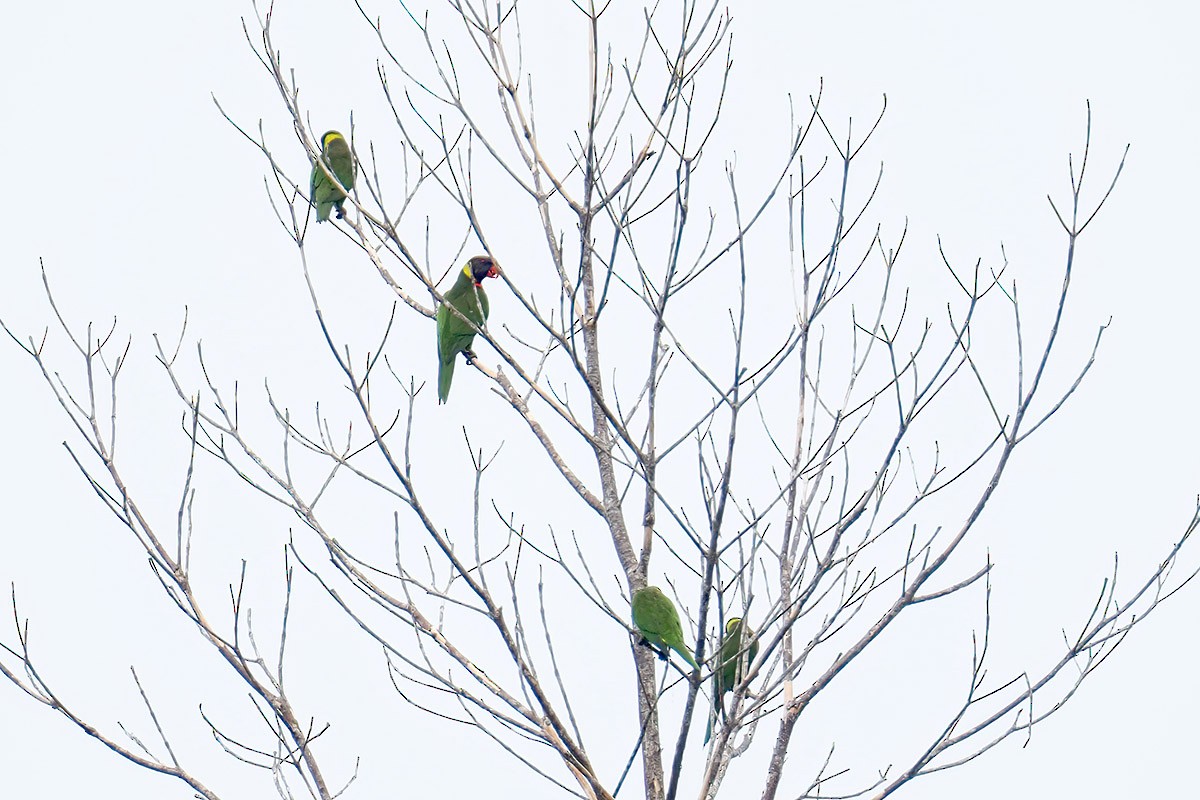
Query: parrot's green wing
341, 162
445, 346
321, 193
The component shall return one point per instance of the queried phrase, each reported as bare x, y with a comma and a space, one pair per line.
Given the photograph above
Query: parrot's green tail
718, 708
323, 210
445, 375
687, 656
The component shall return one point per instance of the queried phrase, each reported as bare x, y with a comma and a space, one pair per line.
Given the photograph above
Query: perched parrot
655, 616
733, 663
733, 660
454, 334
335, 152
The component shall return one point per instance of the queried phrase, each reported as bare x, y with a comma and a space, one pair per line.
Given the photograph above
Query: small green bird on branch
657, 620
734, 659
454, 333
325, 194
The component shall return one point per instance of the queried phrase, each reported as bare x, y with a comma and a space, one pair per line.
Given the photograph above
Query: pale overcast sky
142, 200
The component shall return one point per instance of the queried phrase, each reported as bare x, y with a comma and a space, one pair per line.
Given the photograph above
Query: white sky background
142, 200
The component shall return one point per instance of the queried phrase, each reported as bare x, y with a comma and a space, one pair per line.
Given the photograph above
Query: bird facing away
655, 616
733, 663
326, 194
455, 334
734, 660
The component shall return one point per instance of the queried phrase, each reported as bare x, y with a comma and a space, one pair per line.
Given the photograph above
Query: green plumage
733, 662
326, 194
655, 616
455, 334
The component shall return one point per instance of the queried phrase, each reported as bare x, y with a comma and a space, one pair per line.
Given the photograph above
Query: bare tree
729, 380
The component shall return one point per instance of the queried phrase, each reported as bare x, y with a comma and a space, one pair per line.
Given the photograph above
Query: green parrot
655, 616
455, 334
335, 152
733, 660
733, 664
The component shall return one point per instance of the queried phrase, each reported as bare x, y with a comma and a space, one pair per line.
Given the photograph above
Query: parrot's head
328, 137
732, 625
481, 267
